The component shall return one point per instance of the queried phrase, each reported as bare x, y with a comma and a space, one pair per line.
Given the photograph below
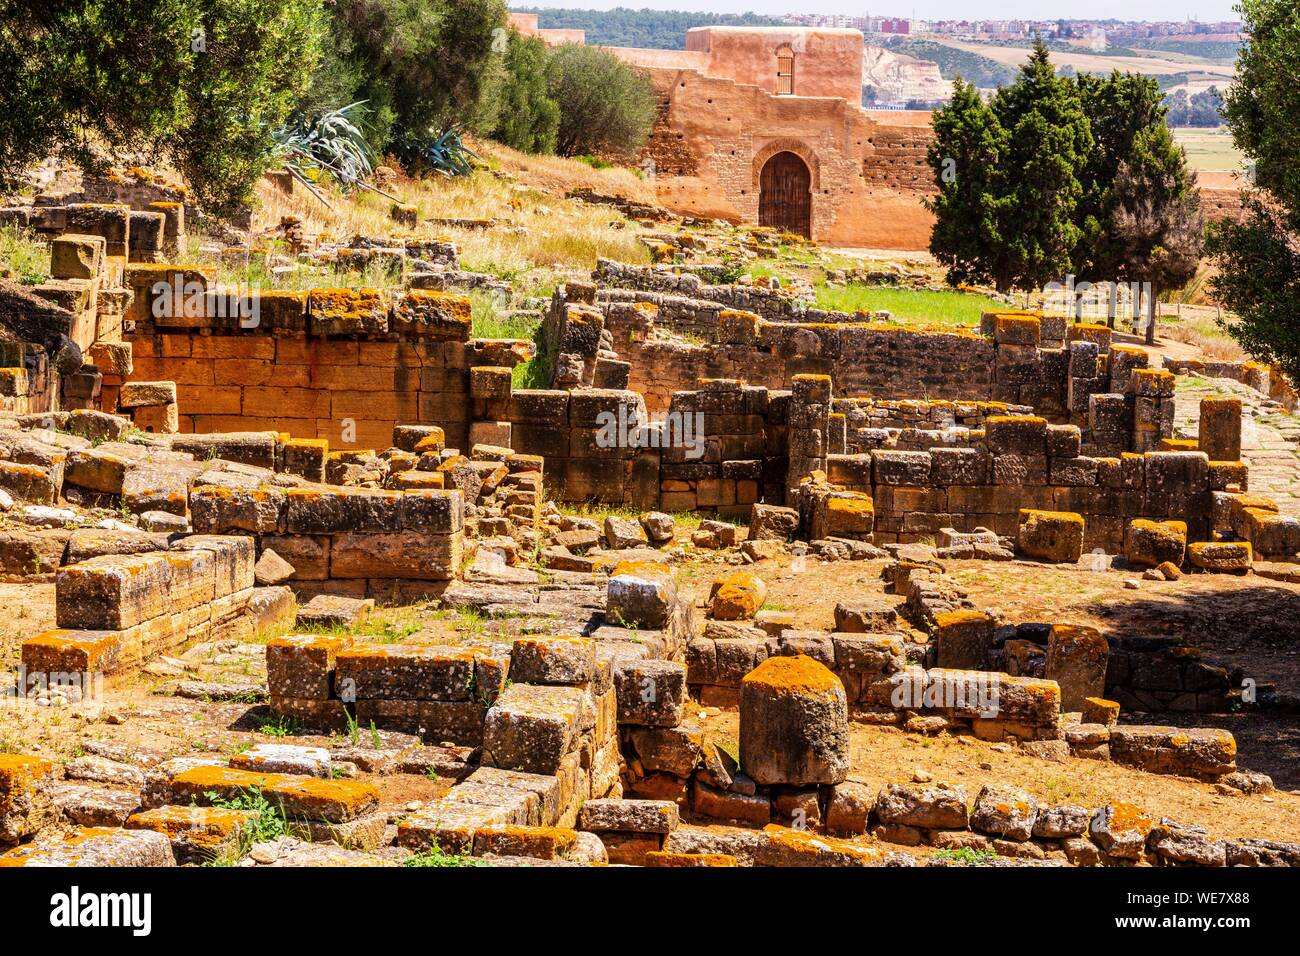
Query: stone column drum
794, 723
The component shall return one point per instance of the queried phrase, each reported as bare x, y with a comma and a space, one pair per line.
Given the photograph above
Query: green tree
247, 78
420, 65
1120, 108
1048, 141
965, 156
606, 106
1156, 226
200, 83
1259, 259
518, 107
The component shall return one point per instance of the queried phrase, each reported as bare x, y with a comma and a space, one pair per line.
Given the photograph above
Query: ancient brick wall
321, 364
731, 129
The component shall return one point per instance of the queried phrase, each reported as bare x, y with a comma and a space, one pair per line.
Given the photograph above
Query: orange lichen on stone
812, 846
737, 596
963, 618
19, 773
546, 843
200, 826
1220, 555
413, 479
433, 442
1127, 816
308, 797
1089, 332
793, 675
637, 568
75, 652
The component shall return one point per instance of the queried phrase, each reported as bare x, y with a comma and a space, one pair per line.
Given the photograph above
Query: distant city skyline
1149, 10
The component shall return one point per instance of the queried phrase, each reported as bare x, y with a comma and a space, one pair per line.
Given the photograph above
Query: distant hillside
649, 29
953, 62
1219, 51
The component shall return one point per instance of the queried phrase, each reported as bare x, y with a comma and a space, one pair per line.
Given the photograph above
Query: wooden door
785, 195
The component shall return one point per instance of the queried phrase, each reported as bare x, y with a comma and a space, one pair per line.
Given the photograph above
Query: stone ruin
185, 474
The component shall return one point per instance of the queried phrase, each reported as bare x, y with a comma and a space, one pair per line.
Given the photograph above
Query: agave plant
333, 142
445, 153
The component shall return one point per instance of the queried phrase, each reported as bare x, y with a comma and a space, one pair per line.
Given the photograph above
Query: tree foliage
202, 83
419, 64
1048, 140
1259, 259
519, 110
1009, 217
1059, 176
964, 155
606, 106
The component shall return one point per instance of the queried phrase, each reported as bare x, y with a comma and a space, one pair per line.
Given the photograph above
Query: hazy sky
935, 9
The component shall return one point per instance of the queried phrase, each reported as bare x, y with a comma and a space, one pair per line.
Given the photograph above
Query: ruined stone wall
321, 364
868, 173
827, 63
864, 359
720, 448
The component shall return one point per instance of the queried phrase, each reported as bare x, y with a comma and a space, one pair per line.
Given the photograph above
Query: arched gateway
785, 194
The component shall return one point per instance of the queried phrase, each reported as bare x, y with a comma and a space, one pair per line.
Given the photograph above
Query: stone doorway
785, 194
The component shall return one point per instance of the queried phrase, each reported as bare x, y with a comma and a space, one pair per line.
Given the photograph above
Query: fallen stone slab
308, 798
272, 569
289, 852
534, 843
94, 806
1006, 811
333, 610
407, 672
629, 816
303, 665
101, 770
25, 796
1121, 830
94, 846
197, 834
794, 725
531, 727
937, 806
284, 758
787, 847
1206, 753
248, 693
650, 692
553, 660
1186, 845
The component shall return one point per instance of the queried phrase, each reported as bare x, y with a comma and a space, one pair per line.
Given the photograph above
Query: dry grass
539, 235
1197, 328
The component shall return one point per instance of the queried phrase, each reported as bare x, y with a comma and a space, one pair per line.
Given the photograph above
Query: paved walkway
1270, 436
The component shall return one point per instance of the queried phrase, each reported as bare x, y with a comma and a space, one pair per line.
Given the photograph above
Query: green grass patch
490, 322
26, 256
909, 305
966, 855
436, 857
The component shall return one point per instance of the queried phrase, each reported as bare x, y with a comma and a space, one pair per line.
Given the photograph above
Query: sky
1177, 10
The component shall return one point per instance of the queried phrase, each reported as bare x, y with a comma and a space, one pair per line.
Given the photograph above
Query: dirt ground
884, 755
1246, 621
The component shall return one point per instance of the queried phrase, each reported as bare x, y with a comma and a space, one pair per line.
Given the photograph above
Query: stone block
1051, 535
793, 723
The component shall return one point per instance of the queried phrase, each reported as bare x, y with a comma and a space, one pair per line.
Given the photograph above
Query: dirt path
1270, 436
